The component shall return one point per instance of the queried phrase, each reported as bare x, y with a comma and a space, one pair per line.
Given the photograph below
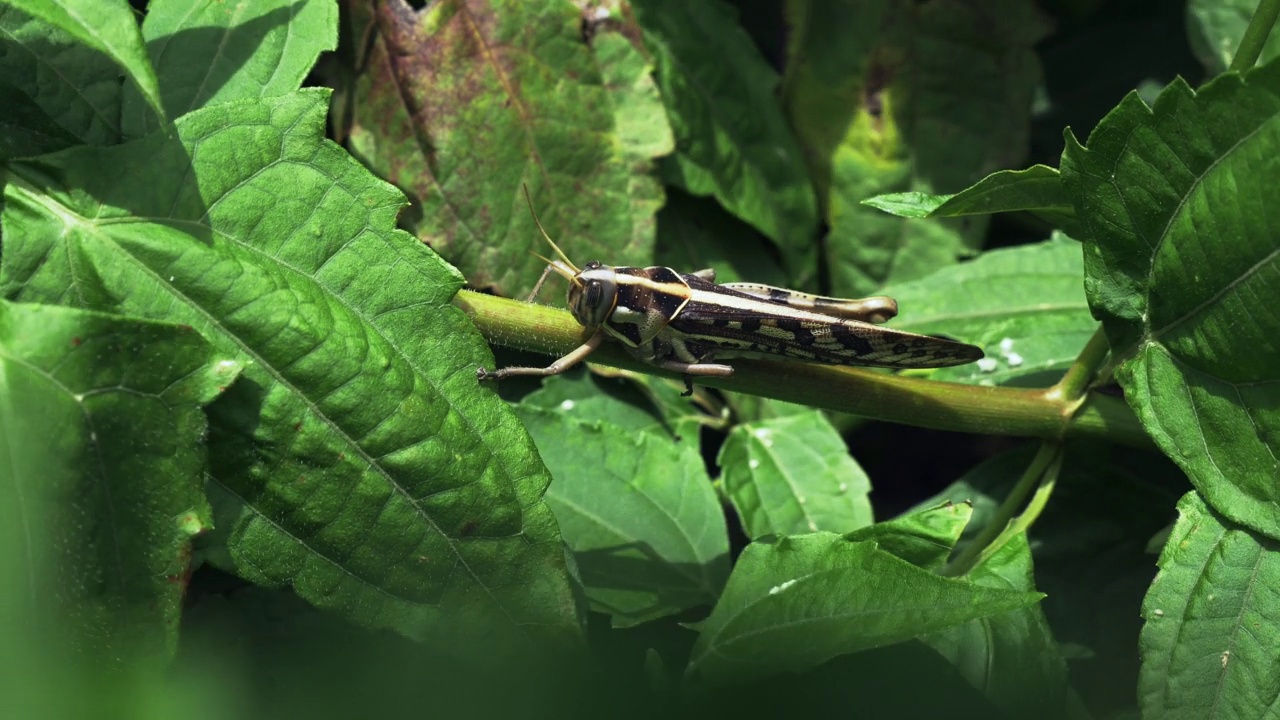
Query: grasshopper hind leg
689, 370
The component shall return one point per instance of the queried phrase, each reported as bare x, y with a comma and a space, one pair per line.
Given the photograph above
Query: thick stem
925, 403
1255, 36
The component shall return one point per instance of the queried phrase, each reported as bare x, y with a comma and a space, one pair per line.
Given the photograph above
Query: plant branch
1019, 412
1040, 474
1255, 35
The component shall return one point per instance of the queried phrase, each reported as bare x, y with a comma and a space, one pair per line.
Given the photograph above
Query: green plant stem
1047, 458
1018, 412
1075, 382
1255, 35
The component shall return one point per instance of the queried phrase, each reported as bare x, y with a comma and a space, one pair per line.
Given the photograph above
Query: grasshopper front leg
574, 357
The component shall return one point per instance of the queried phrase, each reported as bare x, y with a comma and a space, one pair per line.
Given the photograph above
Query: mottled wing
736, 324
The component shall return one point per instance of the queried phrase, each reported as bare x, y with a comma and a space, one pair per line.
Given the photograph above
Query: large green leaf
897, 95
639, 514
796, 602
1215, 27
108, 27
102, 463
463, 101
75, 85
1182, 266
732, 138
207, 53
1025, 306
1211, 643
793, 475
356, 460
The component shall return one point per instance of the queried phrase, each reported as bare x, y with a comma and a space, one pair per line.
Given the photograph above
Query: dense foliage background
253, 253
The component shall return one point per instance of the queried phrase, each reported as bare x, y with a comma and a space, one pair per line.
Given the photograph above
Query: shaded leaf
1210, 645
1024, 306
207, 53
1011, 657
25, 128
586, 397
356, 460
796, 602
1183, 268
894, 96
732, 138
1089, 544
462, 102
77, 86
696, 233
793, 475
639, 514
104, 461
108, 27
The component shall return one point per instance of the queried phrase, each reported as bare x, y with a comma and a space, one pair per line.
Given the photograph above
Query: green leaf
1038, 189
1183, 268
639, 514
1210, 645
793, 475
925, 538
76, 86
1214, 29
794, 603
586, 397
1012, 657
892, 96
207, 53
103, 464
357, 461
732, 138
461, 103
25, 128
1025, 306
108, 27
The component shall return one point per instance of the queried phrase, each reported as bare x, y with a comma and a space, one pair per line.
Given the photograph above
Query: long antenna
545, 236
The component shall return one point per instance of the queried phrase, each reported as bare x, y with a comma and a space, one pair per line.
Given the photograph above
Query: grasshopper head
593, 293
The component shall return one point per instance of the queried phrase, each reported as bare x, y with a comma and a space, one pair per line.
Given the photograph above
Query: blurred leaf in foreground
356, 460
103, 461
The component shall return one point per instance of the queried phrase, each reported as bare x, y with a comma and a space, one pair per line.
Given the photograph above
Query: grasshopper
683, 322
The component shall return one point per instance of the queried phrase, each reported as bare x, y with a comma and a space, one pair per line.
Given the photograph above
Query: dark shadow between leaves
636, 567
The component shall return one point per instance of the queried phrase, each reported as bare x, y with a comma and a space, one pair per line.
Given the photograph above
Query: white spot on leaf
780, 587
987, 364
567, 405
